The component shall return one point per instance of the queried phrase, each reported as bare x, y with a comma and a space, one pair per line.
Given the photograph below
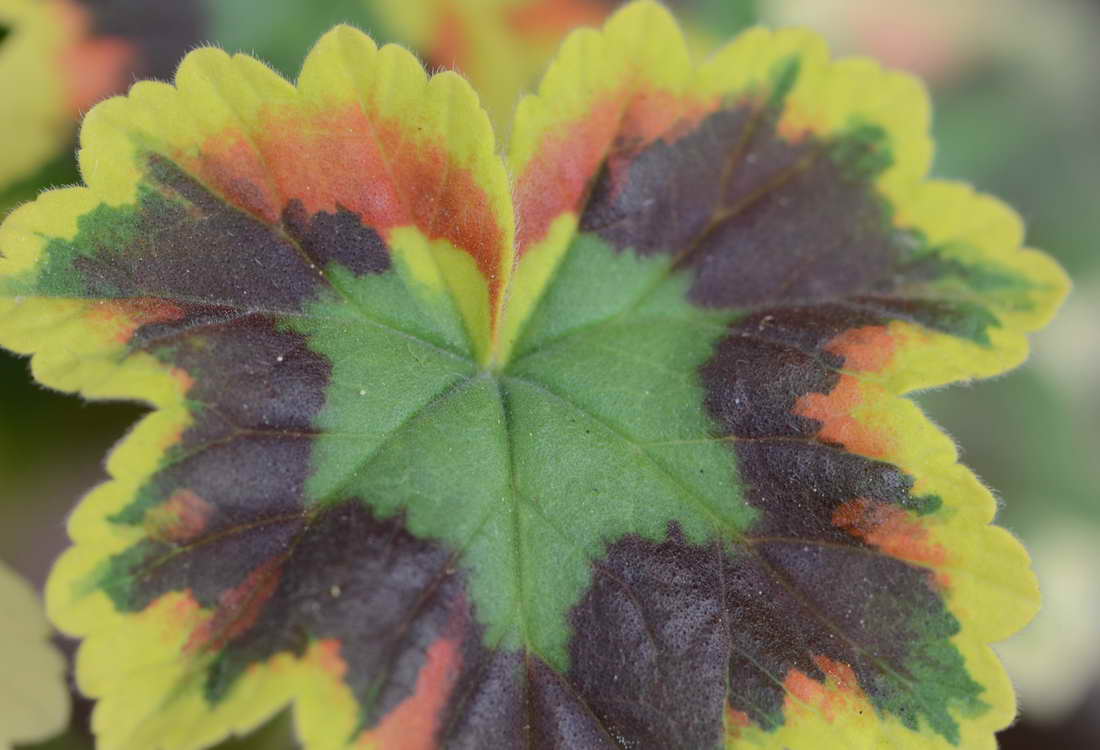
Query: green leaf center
594, 431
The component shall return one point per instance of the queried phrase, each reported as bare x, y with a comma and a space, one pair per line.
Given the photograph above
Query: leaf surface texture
610, 452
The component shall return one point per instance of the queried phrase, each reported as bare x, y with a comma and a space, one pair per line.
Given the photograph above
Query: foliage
59, 57
34, 701
620, 454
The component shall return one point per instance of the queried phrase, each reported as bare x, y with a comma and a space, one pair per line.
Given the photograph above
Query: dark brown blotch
651, 645
759, 219
184, 243
339, 237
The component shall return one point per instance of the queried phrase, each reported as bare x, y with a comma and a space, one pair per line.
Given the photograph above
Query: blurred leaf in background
503, 46
36, 113
59, 57
281, 32
34, 700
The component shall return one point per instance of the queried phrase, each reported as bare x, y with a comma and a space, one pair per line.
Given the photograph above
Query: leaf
59, 57
502, 46
656, 486
34, 700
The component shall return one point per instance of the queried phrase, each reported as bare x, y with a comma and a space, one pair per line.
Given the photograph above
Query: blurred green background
1017, 114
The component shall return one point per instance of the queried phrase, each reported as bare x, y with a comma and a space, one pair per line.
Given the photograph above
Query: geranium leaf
34, 699
59, 57
656, 487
